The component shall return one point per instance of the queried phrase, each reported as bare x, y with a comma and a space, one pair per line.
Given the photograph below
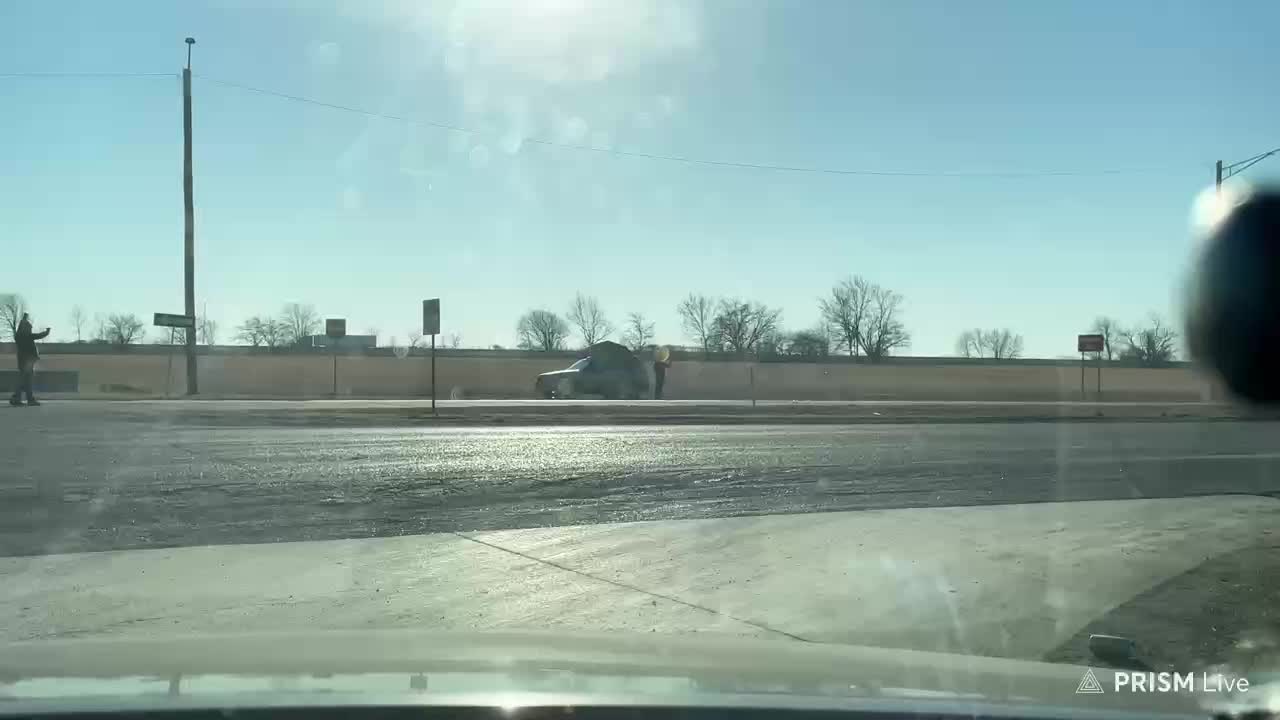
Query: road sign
174, 321
335, 327
431, 316
1089, 343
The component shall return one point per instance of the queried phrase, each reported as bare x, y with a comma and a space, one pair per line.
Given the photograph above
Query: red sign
1089, 343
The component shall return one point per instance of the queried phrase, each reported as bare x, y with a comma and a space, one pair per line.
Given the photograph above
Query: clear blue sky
364, 217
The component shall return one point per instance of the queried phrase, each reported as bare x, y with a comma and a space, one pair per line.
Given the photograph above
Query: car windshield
891, 313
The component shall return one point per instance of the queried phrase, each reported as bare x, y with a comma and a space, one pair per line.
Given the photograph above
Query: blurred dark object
1233, 318
1116, 651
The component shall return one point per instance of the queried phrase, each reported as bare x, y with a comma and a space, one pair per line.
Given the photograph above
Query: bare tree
808, 344
997, 344
207, 330
698, 320
970, 343
77, 321
883, 331
12, 307
865, 317
637, 333
587, 316
455, 340
1152, 344
415, 338
263, 331
99, 328
168, 336
299, 322
1110, 331
123, 329
250, 331
1002, 344
845, 312
542, 330
741, 325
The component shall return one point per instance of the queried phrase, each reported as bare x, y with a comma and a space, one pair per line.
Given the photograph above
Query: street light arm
1239, 167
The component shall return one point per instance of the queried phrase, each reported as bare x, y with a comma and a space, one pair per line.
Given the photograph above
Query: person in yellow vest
661, 361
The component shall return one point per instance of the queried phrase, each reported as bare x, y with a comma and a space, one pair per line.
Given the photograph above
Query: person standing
25, 342
661, 361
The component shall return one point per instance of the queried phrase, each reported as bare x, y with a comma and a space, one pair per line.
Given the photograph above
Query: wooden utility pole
189, 246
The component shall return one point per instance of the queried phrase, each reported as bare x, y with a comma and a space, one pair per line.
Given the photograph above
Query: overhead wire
1233, 168
684, 159
84, 74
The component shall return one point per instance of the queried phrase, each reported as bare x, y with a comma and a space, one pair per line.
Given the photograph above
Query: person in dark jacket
661, 361
25, 341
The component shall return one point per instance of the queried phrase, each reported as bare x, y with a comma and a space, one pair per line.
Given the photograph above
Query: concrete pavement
1010, 581
1005, 539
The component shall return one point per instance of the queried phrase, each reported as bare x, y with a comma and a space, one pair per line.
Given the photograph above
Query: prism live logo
1163, 682
1089, 684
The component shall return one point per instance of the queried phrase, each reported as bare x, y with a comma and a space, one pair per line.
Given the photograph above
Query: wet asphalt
68, 484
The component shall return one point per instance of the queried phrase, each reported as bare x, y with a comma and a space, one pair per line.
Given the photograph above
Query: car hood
531, 668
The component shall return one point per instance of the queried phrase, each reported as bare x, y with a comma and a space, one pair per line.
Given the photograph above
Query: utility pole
189, 208
1217, 181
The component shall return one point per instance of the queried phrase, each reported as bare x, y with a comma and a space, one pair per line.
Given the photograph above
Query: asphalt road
68, 484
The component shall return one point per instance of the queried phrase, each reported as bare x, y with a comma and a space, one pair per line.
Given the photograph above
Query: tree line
857, 317
1150, 342
101, 328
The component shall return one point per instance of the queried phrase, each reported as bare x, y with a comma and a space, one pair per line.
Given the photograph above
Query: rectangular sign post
431, 326
1091, 343
172, 320
335, 329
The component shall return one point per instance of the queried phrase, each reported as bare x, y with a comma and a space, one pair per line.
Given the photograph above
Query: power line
334, 106
84, 74
695, 160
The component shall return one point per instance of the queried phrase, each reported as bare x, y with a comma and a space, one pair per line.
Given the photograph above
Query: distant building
350, 342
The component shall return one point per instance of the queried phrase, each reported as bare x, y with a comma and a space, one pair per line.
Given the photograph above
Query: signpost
1092, 343
335, 329
172, 320
431, 326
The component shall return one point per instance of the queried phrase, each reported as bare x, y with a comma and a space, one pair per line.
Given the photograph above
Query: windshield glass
888, 306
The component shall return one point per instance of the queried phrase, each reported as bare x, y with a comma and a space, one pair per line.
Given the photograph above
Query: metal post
188, 202
433, 374
1082, 395
335, 366
168, 375
1099, 376
1217, 180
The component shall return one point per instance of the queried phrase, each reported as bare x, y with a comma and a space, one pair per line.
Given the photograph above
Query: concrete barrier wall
311, 375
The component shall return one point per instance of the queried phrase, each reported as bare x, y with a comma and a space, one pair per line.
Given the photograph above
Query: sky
1043, 158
